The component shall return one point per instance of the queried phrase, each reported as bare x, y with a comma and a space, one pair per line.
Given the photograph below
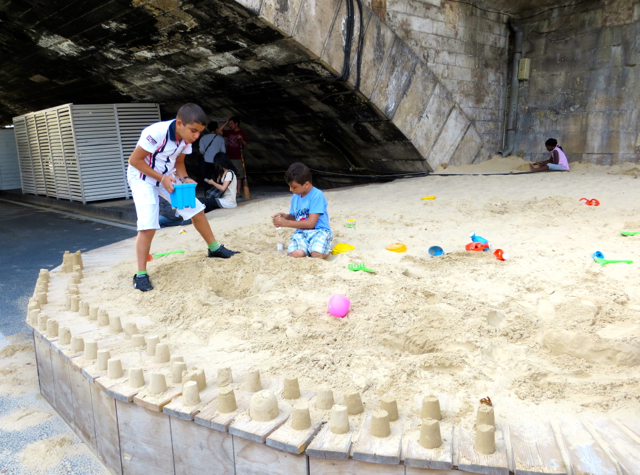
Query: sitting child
557, 162
223, 183
307, 214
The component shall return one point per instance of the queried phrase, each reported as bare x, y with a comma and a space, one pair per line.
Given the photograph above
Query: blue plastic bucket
184, 196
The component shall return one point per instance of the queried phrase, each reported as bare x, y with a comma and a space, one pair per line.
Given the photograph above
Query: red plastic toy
592, 202
501, 255
476, 246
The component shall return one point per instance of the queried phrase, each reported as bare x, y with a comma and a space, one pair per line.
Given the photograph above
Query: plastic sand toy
479, 239
477, 246
179, 251
182, 231
428, 198
342, 247
397, 247
592, 202
436, 251
339, 305
629, 233
598, 257
351, 223
501, 255
360, 266
184, 196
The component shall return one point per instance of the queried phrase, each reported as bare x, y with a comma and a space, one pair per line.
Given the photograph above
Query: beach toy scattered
351, 223
342, 247
477, 246
592, 202
428, 198
182, 231
360, 266
479, 239
436, 251
501, 255
339, 305
150, 258
629, 233
397, 247
604, 262
598, 257
184, 195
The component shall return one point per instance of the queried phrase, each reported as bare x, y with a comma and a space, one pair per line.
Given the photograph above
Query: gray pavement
33, 439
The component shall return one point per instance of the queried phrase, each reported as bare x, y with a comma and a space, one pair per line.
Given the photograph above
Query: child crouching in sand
557, 162
307, 214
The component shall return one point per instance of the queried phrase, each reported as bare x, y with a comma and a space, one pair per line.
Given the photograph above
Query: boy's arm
308, 223
243, 137
137, 161
181, 170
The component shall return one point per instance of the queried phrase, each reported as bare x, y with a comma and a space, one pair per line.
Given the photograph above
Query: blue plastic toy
479, 239
598, 255
184, 196
436, 251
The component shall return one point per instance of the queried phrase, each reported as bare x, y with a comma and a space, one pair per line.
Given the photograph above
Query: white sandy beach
546, 331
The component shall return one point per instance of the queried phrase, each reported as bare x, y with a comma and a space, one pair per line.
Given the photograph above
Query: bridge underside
214, 53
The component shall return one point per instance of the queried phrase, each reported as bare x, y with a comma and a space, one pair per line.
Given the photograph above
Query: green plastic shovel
604, 262
360, 266
167, 253
627, 233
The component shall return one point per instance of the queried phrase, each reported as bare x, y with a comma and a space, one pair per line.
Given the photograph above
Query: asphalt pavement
35, 238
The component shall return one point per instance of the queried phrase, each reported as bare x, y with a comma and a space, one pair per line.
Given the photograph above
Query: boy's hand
189, 180
278, 220
168, 181
279, 215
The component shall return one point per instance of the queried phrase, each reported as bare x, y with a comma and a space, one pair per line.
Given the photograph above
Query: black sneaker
222, 252
142, 282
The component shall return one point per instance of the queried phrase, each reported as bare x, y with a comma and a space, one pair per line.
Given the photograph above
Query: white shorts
556, 168
146, 199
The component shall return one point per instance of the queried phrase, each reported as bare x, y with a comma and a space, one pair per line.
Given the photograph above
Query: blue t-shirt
313, 203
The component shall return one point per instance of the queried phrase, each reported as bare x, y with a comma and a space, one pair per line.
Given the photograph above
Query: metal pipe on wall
510, 133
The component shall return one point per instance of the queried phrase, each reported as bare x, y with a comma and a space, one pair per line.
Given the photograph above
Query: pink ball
339, 305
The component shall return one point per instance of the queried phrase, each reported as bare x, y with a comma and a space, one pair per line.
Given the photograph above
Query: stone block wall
584, 88
467, 49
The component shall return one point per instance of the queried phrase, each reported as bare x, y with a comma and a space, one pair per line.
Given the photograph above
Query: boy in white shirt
154, 166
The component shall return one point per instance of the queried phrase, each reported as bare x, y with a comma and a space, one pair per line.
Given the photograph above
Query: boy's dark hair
299, 173
212, 126
192, 114
236, 119
551, 142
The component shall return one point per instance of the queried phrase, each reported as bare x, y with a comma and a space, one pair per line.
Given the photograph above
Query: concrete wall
585, 83
9, 166
467, 49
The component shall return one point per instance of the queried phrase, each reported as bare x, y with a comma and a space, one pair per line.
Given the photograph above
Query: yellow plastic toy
342, 247
397, 247
428, 198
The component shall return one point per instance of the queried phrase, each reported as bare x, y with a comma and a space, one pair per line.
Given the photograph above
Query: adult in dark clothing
210, 146
236, 140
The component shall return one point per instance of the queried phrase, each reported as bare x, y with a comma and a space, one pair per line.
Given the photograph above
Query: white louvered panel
99, 152
44, 145
34, 147
79, 152
27, 176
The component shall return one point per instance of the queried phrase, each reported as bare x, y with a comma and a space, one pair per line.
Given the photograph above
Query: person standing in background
236, 140
210, 145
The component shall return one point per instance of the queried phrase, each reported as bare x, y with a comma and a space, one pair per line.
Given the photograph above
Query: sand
545, 331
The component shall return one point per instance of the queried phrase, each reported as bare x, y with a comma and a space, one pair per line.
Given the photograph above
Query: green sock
142, 272
214, 246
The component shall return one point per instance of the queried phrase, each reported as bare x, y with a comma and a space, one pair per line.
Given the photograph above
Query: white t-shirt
228, 198
159, 140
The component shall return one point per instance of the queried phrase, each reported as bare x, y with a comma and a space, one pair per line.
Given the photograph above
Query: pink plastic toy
339, 305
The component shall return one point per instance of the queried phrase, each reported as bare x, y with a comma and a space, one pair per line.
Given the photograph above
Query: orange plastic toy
397, 247
501, 255
476, 246
592, 202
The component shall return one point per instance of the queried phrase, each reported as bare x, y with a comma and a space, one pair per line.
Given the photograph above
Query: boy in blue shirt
307, 214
